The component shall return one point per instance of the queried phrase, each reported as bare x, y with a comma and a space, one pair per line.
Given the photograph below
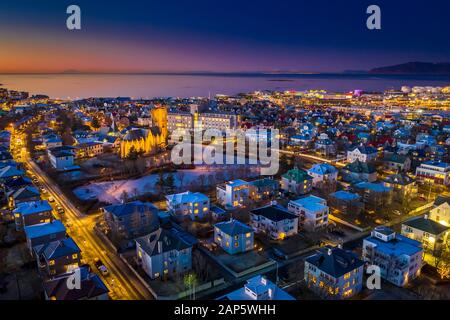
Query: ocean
77, 86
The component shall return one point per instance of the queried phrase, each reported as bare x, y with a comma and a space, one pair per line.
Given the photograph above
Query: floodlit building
431, 234
434, 172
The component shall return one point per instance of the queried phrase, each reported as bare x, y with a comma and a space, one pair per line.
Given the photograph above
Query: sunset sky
220, 36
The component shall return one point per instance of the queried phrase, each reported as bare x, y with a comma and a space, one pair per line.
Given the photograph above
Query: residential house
362, 153
61, 158
233, 236
89, 149
23, 194
57, 257
296, 181
346, 202
312, 212
233, 194
441, 210
31, 213
374, 195
194, 205
359, 171
397, 162
275, 221
323, 174
45, 232
398, 257
91, 286
263, 189
10, 172
130, 220
430, 233
164, 253
404, 187
334, 273
258, 288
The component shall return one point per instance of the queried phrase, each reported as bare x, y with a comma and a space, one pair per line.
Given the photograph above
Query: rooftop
274, 213
44, 229
335, 261
233, 227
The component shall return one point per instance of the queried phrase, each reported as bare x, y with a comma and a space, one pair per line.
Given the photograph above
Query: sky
220, 36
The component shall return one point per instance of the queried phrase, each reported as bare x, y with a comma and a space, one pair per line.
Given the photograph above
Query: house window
248, 235
74, 256
51, 262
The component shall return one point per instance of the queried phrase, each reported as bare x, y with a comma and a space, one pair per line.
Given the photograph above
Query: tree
444, 271
190, 281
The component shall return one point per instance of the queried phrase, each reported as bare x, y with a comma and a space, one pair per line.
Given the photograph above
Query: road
121, 281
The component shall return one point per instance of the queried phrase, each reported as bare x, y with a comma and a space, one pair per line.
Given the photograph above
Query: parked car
101, 267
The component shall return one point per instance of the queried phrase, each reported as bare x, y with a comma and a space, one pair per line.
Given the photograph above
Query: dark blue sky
175, 35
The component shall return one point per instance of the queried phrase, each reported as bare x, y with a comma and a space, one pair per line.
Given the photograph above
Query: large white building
312, 212
233, 194
194, 205
398, 257
218, 121
178, 120
434, 172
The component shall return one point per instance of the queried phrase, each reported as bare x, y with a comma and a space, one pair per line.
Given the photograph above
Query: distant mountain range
414, 68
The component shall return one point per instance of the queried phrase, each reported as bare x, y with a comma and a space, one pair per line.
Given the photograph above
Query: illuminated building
233, 236
434, 172
398, 257
334, 273
147, 140
312, 212
275, 221
431, 234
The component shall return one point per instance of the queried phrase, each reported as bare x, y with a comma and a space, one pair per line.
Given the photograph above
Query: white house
194, 205
233, 194
312, 212
233, 236
398, 257
163, 253
441, 211
61, 158
334, 273
431, 234
323, 173
434, 172
362, 153
275, 221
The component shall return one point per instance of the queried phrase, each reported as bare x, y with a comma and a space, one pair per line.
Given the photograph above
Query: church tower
159, 119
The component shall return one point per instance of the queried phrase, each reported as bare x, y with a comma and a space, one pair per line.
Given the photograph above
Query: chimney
425, 217
329, 251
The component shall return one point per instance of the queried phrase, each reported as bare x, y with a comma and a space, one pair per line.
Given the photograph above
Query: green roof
298, 175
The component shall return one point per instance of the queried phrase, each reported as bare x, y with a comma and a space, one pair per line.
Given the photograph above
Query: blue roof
377, 187
233, 227
345, 195
398, 246
335, 261
259, 285
43, 229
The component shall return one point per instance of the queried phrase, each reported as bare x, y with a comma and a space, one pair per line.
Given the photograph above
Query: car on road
51, 199
101, 267
43, 190
397, 212
59, 209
